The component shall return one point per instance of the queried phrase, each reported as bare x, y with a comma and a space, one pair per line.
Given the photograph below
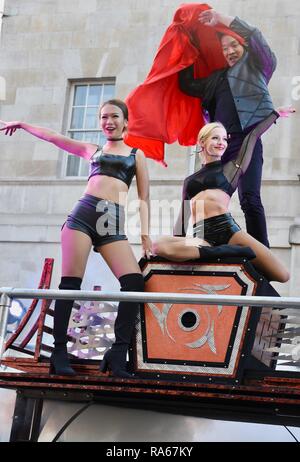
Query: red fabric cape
159, 112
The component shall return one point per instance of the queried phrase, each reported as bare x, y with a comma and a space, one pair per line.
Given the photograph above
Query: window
83, 119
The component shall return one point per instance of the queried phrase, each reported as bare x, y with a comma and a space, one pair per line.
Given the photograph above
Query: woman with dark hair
206, 197
98, 220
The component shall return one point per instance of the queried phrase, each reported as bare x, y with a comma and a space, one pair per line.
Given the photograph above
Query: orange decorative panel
190, 332
194, 339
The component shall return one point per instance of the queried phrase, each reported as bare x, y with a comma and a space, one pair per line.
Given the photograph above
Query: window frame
68, 130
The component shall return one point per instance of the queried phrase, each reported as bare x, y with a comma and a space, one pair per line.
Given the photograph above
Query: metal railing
10, 293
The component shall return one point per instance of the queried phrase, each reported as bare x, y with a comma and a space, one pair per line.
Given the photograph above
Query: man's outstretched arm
189, 84
261, 53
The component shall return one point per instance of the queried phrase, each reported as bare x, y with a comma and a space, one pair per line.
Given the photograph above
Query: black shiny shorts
216, 230
102, 220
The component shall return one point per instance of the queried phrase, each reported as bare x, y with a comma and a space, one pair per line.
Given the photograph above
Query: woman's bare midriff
209, 203
107, 187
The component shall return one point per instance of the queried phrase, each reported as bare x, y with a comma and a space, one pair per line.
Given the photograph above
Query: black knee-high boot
115, 358
225, 250
59, 361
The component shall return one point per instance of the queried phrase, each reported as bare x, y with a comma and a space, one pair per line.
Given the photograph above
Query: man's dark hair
221, 34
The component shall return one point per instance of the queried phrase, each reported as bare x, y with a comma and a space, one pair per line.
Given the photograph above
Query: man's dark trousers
249, 188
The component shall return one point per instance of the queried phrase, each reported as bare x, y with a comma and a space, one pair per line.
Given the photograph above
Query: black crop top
211, 176
217, 175
121, 167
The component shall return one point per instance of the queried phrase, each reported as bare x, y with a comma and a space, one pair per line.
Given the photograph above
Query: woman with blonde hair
206, 197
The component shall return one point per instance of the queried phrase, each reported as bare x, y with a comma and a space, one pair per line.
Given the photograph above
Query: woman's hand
147, 246
10, 127
285, 111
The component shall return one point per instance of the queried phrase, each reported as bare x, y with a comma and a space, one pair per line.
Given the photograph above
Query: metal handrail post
5, 303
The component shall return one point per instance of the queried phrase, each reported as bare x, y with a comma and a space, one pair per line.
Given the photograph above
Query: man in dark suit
238, 96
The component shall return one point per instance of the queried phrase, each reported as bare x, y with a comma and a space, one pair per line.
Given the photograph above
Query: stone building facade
48, 47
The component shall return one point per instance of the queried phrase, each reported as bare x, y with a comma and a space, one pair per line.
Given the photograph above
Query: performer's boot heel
59, 362
114, 360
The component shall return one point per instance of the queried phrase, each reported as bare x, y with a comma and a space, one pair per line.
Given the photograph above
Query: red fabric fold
159, 111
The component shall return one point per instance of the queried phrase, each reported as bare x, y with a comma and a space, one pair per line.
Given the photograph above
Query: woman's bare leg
178, 248
76, 247
183, 249
265, 262
120, 258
